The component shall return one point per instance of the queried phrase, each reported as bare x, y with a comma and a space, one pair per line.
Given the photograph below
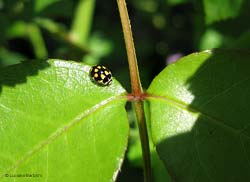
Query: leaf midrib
188, 108
60, 131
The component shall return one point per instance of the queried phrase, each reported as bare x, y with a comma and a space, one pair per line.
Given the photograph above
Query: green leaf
211, 39
43, 4
82, 22
216, 10
9, 57
242, 42
200, 116
177, 2
53, 8
100, 47
57, 123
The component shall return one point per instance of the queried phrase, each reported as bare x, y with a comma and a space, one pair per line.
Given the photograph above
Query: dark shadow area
129, 173
17, 74
217, 146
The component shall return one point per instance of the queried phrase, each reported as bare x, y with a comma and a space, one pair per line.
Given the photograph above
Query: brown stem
139, 110
137, 91
132, 61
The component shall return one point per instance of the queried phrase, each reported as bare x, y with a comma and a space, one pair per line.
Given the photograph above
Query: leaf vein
225, 91
245, 152
198, 154
186, 107
60, 132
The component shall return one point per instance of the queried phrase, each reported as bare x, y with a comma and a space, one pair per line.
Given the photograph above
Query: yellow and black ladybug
101, 75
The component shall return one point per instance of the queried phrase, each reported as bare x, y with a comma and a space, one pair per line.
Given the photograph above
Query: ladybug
101, 75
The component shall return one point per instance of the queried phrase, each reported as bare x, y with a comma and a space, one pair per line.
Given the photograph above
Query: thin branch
132, 61
137, 91
139, 110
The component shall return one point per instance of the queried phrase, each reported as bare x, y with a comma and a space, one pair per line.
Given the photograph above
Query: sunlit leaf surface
57, 123
201, 116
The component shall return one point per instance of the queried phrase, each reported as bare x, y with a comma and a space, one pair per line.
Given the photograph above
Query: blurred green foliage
90, 31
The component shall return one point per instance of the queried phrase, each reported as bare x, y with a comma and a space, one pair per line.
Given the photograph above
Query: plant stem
132, 61
137, 91
139, 110
57, 30
37, 41
82, 21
